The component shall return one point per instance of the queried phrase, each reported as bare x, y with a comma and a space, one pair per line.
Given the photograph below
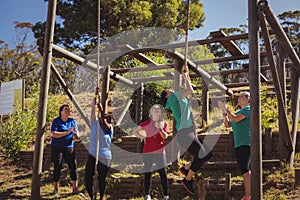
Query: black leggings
242, 154
161, 162
102, 167
57, 156
201, 153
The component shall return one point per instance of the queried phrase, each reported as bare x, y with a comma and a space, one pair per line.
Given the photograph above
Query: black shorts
242, 154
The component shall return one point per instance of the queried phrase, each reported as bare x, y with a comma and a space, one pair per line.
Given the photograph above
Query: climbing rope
187, 32
98, 40
97, 102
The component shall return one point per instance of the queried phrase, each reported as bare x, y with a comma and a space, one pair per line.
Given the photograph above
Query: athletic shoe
188, 185
166, 197
55, 192
147, 197
183, 171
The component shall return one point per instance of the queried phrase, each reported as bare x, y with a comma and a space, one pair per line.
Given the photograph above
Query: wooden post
280, 65
295, 95
43, 101
297, 176
205, 104
139, 104
268, 143
105, 89
227, 185
201, 189
279, 32
231, 145
255, 104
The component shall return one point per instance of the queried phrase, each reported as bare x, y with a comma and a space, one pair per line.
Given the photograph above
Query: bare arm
188, 89
228, 116
94, 104
160, 125
57, 134
233, 117
136, 132
105, 123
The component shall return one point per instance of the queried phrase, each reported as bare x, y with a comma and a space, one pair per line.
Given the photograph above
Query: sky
219, 14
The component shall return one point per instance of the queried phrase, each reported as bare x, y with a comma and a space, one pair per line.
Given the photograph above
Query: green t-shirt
181, 110
241, 129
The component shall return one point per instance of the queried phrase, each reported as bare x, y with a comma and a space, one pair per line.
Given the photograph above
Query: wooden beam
279, 32
229, 45
124, 113
141, 57
208, 78
105, 89
149, 67
171, 47
70, 94
89, 64
278, 89
295, 98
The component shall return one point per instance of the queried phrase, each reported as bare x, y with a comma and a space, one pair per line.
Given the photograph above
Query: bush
17, 132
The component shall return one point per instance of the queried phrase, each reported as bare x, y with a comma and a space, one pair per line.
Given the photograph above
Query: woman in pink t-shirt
156, 131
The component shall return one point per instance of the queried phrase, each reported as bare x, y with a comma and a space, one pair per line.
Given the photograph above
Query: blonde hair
162, 111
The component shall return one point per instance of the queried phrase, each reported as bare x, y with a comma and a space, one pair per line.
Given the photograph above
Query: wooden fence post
227, 185
201, 189
268, 143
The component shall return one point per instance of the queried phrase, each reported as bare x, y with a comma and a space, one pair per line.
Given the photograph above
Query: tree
78, 24
291, 19
23, 62
219, 51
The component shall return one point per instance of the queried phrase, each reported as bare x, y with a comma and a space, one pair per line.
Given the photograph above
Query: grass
278, 183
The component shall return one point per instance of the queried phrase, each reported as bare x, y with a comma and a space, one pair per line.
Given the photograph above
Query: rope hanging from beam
97, 101
187, 33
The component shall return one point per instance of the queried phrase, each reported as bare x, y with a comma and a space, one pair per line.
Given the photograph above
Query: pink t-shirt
154, 143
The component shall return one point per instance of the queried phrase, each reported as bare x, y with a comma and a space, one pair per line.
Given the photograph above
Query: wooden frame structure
257, 12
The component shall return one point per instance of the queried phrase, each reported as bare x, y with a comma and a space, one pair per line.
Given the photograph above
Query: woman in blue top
104, 153
179, 104
63, 130
240, 123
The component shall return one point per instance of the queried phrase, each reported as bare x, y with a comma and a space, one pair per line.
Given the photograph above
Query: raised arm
96, 99
188, 88
228, 116
162, 132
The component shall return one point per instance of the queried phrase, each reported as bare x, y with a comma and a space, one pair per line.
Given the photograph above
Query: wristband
160, 129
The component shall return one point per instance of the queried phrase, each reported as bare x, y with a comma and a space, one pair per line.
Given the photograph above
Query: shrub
17, 132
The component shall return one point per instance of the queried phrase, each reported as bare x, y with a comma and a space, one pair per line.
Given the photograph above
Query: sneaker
147, 197
55, 192
166, 197
183, 171
188, 185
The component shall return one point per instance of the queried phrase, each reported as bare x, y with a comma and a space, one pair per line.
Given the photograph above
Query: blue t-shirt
105, 137
181, 110
241, 129
60, 126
